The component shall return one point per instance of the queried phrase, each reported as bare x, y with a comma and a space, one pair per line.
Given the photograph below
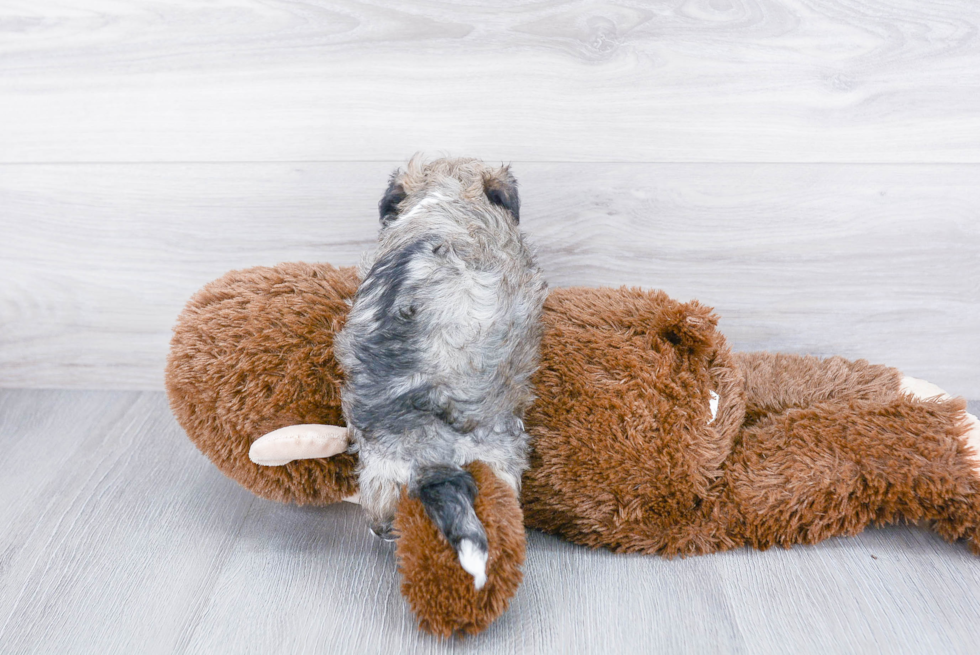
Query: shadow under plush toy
648, 434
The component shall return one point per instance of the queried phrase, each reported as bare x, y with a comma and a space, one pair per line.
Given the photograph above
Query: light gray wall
810, 169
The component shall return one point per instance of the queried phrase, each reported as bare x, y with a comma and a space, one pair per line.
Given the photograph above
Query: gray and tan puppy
440, 346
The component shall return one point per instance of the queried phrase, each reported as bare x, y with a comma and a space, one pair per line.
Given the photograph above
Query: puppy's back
440, 346
443, 335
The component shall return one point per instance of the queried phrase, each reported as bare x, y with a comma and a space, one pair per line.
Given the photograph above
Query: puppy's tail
447, 494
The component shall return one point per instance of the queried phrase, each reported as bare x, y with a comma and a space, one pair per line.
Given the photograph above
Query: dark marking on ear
503, 193
388, 206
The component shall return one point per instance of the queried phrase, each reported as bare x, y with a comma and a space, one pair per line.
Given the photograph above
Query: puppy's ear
501, 190
388, 206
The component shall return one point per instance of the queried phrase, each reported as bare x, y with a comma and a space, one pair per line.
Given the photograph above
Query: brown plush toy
648, 434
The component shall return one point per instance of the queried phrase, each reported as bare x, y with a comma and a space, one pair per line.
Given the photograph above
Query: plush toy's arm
253, 352
775, 382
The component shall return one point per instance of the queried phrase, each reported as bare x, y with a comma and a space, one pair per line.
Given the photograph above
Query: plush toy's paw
972, 438
294, 442
440, 592
923, 390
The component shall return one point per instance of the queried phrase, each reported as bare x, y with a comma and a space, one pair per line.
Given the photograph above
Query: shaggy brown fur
438, 590
833, 468
623, 455
776, 382
253, 352
623, 412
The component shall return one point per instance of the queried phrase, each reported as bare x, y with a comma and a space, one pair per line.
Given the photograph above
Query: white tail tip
474, 561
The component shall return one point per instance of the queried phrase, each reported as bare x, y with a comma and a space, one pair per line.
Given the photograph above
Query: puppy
440, 346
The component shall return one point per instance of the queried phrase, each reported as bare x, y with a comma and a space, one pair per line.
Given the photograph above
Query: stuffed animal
649, 435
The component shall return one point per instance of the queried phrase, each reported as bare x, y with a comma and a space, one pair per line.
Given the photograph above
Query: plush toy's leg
776, 382
922, 390
439, 591
973, 440
812, 464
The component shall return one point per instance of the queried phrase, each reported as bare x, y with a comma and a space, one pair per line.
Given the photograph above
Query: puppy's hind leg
510, 475
380, 484
510, 462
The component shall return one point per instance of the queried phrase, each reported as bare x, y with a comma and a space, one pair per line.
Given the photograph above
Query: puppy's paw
383, 531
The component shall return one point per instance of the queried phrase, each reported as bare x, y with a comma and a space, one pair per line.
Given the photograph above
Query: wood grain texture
119, 537
112, 534
342, 80
857, 260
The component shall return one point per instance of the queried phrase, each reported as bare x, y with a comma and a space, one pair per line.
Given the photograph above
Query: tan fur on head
471, 173
474, 181
626, 454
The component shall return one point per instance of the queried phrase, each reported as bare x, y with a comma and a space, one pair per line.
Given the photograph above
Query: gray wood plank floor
120, 537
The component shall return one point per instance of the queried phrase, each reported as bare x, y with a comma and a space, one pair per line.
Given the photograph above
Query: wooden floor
119, 537
811, 169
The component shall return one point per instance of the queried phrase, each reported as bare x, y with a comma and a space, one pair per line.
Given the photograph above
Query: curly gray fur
442, 338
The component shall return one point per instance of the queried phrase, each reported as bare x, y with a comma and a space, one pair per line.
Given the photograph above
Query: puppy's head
450, 180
